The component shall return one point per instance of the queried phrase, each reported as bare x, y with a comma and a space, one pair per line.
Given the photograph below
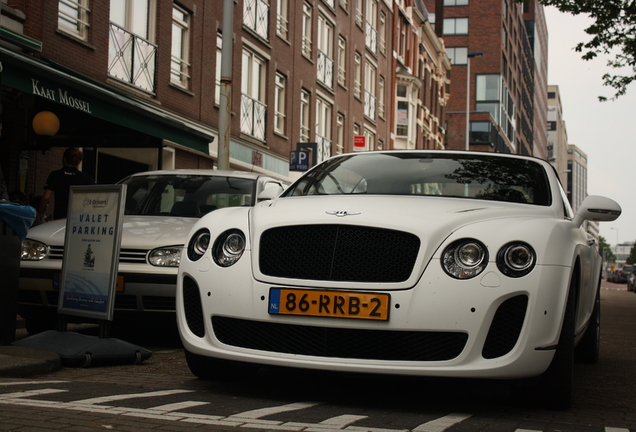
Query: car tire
208, 368
557, 382
588, 349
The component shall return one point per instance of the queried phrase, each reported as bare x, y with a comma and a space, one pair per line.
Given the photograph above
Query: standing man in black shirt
60, 181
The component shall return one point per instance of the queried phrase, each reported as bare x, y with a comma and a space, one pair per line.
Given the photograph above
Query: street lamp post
469, 56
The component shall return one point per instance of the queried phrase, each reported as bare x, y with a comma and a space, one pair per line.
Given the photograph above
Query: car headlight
199, 244
228, 248
465, 259
516, 259
165, 256
33, 250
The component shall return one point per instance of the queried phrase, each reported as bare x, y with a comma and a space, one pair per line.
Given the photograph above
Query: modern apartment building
137, 83
502, 46
557, 135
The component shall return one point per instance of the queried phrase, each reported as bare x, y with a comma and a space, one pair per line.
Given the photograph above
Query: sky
605, 131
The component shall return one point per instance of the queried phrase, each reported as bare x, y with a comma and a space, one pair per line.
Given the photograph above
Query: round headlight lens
229, 248
465, 259
199, 244
166, 256
33, 250
516, 259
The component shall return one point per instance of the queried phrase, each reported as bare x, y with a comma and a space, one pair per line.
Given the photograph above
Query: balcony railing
132, 59
325, 69
256, 17
369, 105
253, 116
371, 39
324, 148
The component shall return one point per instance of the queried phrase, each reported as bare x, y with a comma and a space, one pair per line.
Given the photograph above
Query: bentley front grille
338, 253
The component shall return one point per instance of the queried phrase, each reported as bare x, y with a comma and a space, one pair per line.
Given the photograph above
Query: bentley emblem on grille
342, 213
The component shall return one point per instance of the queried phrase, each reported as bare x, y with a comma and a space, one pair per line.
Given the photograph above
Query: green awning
45, 80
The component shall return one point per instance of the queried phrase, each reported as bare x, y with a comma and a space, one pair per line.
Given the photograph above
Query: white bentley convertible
449, 264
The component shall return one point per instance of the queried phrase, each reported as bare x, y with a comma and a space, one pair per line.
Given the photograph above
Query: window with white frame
371, 32
180, 66
340, 133
359, 16
282, 22
455, 2
219, 59
342, 61
304, 116
455, 26
325, 63
381, 90
357, 75
323, 128
72, 17
457, 55
253, 108
307, 17
382, 33
256, 17
370, 73
131, 54
369, 139
279, 103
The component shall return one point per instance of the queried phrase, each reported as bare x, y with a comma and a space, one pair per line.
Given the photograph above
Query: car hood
138, 232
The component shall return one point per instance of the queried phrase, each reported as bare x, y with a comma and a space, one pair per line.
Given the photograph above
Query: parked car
622, 275
160, 209
428, 263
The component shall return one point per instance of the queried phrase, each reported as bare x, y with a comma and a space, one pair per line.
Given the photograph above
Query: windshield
185, 195
468, 176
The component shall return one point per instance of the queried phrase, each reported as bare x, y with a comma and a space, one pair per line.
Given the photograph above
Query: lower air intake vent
506, 327
192, 307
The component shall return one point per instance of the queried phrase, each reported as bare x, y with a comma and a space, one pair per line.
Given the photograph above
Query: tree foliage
606, 250
613, 33
631, 259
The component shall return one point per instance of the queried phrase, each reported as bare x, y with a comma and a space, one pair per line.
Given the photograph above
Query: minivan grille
338, 253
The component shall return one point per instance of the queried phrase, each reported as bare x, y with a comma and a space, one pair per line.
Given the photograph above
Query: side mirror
597, 208
270, 192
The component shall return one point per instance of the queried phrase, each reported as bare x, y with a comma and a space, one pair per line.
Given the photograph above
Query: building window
72, 17
180, 67
458, 55
402, 118
304, 116
480, 132
382, 33
370, 74
307, 15
455, 2
256, 17
325, 51
369, 139
323, 129
279, 104
381, 89
282, 23
253, 108
359, 16
330, 3
371, 32
455, 26
357, 75
492, 96
342, 61
132, 56
219, 57
340, 133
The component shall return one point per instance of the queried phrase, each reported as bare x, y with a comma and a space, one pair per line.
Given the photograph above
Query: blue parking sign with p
298, 160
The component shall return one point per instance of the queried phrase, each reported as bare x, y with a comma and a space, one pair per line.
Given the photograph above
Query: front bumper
488, 327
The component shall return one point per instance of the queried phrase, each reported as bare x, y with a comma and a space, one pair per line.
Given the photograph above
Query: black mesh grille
338, 342
506, 327
192, 307
338, 253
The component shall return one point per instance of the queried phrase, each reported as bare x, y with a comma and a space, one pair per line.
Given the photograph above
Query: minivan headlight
165, 256
33, 250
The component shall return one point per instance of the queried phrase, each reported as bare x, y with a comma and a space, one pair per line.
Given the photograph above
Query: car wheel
557, 381
587, 351
216, 369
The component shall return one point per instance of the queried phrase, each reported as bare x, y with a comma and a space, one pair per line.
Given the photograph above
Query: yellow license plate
337, 304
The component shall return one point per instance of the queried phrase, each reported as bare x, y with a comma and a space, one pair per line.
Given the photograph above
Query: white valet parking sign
91, 251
